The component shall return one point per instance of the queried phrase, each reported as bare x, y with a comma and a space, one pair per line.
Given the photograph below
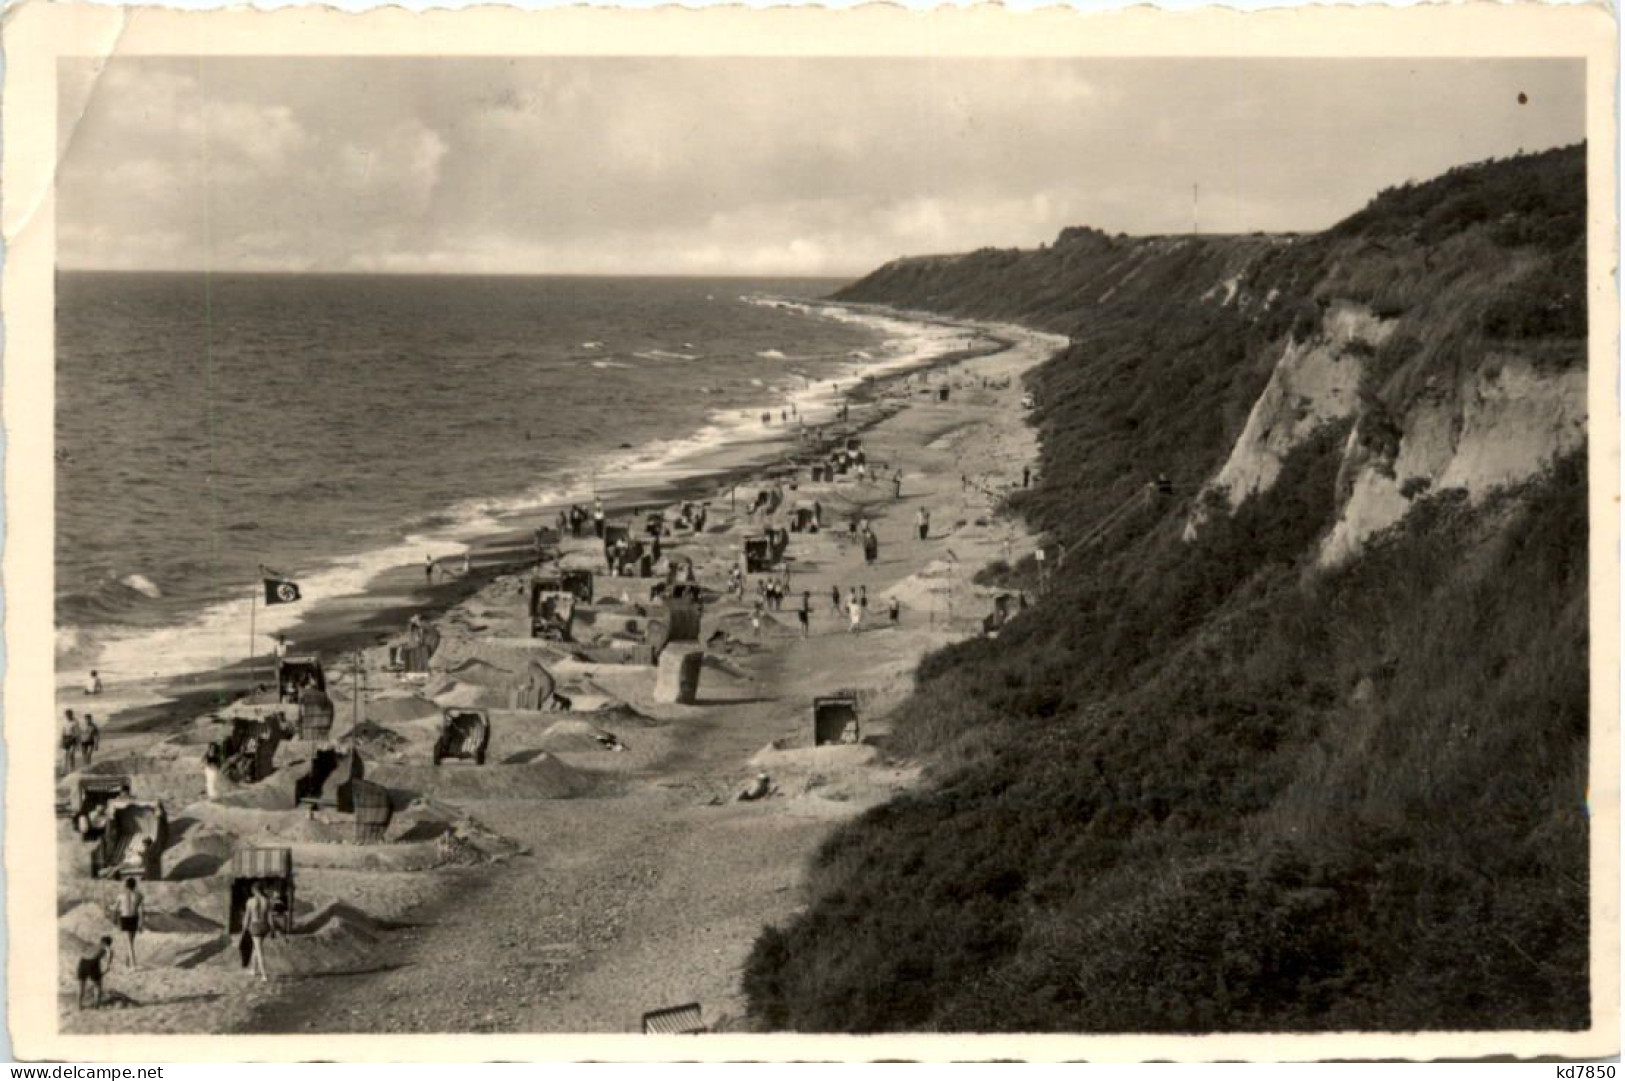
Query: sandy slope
636, 882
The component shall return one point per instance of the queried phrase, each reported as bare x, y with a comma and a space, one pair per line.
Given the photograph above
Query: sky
721, 166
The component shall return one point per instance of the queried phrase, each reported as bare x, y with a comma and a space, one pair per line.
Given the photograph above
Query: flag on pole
279, 588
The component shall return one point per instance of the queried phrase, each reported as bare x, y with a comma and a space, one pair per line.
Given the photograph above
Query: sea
332, 427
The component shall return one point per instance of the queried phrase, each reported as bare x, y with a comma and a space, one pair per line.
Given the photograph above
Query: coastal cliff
1296, 737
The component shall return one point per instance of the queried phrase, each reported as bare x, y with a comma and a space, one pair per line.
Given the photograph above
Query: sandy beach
564, 886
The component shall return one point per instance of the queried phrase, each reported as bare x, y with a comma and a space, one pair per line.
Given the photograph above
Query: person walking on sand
854, 613
93, 968
257, 918
131, 912
804, 614
756, 618
897, 485
892, 610
598, 517
428, 570
835, 599
70, 743
90, 737
923, 520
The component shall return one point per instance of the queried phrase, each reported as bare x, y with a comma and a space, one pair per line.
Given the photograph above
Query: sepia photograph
834, 543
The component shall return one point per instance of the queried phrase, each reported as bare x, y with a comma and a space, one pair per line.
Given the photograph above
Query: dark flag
281, 591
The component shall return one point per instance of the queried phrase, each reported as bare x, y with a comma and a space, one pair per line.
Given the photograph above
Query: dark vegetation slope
1204, 786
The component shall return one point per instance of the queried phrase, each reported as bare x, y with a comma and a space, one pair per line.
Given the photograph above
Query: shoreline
640, 883
383, 605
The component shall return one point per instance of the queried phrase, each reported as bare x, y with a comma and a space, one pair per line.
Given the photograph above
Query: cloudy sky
724, 166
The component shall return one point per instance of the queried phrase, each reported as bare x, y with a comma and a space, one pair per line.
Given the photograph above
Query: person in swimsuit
90, 737
257, 916
130, 913
93, 968
70, 743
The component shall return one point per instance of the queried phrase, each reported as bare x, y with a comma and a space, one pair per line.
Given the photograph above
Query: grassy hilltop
1218, 779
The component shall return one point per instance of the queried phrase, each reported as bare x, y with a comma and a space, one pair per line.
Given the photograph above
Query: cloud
806, 166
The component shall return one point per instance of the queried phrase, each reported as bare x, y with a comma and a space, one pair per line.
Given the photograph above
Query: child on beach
93, 968
93, 685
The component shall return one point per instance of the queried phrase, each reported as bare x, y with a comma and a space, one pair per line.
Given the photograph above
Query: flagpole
253, 606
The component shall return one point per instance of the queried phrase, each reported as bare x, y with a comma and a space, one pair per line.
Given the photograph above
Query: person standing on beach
805, 613
892, 610
428, 570
70, 743
211, 771
863, 598
131, 911
897, 485
854, 613
835, 599
756, 618
598, 517
93, 685
257, 917
922, 519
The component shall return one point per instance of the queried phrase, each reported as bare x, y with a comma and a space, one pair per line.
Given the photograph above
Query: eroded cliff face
1314, 383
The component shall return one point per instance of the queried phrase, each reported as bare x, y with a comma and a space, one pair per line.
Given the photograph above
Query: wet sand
585, 886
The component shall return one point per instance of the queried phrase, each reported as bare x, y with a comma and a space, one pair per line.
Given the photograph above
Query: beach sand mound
174, 782
396, 709
202, 852
166, 939
376, 741
274, 793
341, 853
619, 716
829, 757
454, 694
573, 735
482, 672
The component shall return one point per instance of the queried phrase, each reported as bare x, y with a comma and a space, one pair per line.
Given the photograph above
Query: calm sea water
331, 426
